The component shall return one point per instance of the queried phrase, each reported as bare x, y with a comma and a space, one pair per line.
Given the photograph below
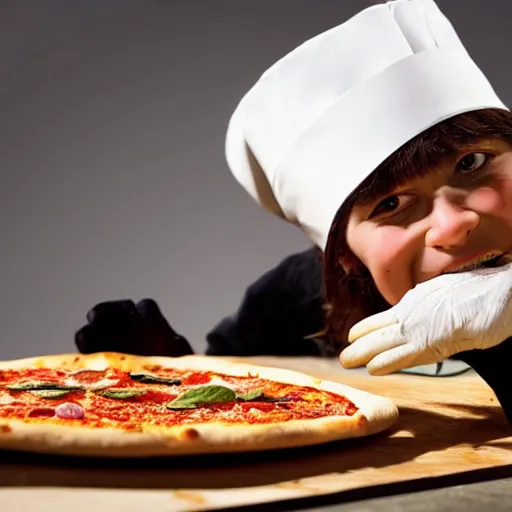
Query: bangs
431, 148
350, 291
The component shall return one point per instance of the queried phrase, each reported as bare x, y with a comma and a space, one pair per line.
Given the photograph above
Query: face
455, 218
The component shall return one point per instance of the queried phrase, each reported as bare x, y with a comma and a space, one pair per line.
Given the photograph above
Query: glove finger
111, 313
399, 358
367, 347
149, 310
372, 323
160, 339
124, 338
86, 340
113, 326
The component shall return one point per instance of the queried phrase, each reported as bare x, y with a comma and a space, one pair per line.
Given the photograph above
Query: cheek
491, 200
505, 200
389, 246
494, 201
389, 257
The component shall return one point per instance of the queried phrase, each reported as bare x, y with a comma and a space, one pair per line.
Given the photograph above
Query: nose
450, 223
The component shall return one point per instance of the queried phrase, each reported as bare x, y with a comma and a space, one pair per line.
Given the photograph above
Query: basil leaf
50, 393
38, 385
204, 395
181, 405
148, 378
120, 393
249, 396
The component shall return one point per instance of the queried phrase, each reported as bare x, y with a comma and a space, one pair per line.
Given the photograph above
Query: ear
350, 263
346, 264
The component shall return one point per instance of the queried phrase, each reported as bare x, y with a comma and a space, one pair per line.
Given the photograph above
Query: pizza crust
375, 414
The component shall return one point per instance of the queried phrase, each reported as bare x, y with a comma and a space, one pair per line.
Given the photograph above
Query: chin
391, 297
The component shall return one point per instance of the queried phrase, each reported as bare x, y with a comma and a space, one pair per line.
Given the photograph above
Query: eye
392, 205
472, 162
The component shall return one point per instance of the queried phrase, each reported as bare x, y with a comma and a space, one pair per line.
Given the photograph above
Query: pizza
121, 405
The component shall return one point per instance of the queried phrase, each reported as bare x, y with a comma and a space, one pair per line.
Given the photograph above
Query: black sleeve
493, 365
277, 313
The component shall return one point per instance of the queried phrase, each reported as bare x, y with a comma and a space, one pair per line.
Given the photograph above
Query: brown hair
351, 295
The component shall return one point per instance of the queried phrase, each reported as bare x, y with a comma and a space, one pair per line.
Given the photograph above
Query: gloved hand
446, 315
123, 326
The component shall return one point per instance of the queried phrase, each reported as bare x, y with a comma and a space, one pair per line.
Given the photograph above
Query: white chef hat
323, 117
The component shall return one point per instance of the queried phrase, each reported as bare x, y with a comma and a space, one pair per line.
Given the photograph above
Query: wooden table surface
451, 431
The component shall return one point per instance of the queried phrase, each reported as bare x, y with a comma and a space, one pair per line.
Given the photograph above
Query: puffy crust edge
375, 414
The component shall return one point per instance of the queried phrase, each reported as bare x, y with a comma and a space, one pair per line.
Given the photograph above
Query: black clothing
278, 313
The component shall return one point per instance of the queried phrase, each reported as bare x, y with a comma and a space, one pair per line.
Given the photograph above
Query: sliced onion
70, 411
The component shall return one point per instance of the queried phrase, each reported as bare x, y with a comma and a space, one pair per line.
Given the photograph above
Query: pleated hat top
323, 117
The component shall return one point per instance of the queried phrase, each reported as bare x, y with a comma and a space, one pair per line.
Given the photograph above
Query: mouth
491, 259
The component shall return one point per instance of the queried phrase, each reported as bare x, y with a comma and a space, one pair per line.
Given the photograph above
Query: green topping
276, 399
120, 393
39, 385
50, 393
204, 395
147, 378
175, 404
249, 396
210, 395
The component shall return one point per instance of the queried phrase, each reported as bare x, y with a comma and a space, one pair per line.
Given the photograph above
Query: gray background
113, 179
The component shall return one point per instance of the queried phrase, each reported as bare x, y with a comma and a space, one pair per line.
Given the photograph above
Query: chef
386, 144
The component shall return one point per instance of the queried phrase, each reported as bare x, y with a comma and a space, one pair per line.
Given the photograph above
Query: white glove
446, 315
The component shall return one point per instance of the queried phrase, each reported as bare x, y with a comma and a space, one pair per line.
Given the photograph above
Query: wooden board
447, 426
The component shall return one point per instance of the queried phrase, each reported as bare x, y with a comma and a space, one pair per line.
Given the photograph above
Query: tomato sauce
279, 402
